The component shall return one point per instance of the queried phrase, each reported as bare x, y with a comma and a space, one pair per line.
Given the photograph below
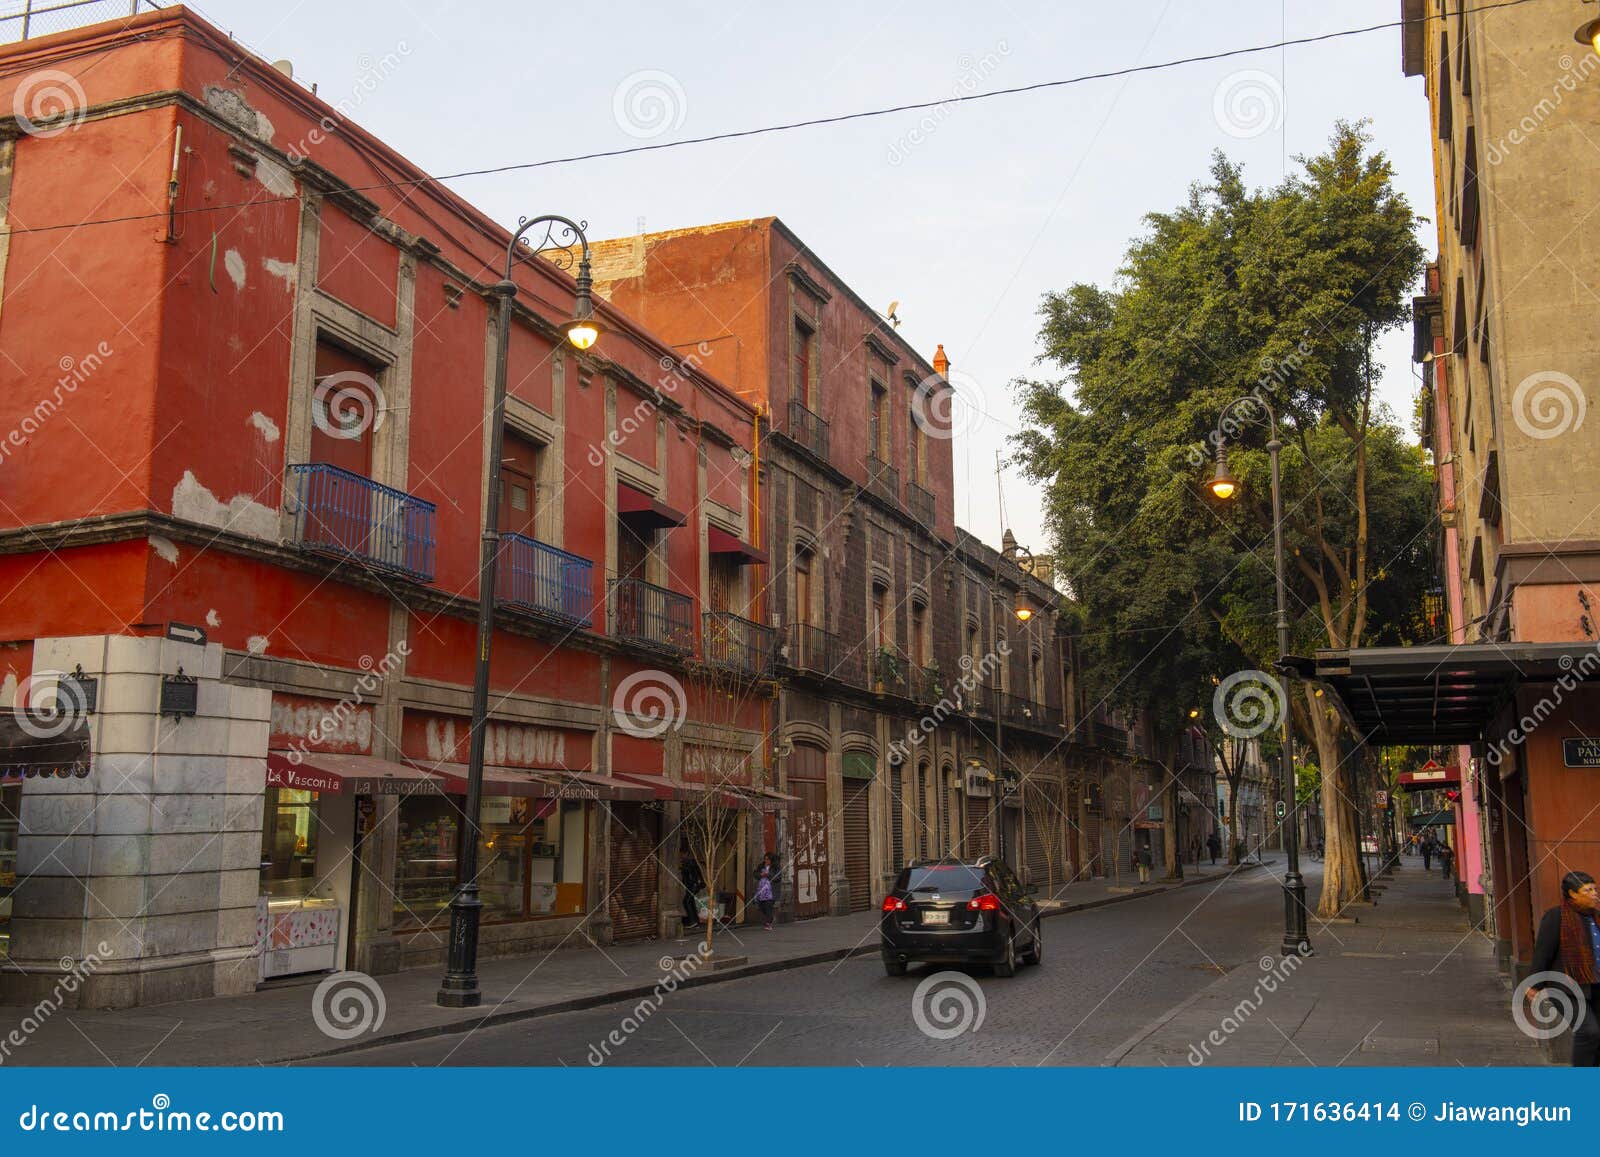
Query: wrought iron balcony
883, 479
544, 580
340, 513
1020, 711
979, 700
737, 644
929, 686
890, 670
1109, 736
810, 650
652, 616
807, 428
919, 500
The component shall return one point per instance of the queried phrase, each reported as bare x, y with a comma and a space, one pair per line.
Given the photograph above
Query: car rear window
943, 878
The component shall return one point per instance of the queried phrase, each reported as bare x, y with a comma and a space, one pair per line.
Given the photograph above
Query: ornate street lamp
1224, 486
460, 986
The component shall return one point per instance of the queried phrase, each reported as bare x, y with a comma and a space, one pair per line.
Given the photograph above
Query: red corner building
247, 357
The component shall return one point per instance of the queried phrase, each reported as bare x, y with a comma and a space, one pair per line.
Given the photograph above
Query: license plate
936, 917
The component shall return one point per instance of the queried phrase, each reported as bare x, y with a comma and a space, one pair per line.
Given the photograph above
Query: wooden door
519, 495
807, 768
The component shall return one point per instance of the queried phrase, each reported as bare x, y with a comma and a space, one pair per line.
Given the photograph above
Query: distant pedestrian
1141, 860
1569, 940
691, 879
766, 890
1446, 854
1214, 846
1427, 853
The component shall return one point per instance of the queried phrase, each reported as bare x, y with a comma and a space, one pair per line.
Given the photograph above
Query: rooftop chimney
941, 364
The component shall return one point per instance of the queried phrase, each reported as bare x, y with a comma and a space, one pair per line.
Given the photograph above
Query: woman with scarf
1569, 941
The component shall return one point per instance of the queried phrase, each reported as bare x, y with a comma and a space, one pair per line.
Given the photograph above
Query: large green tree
1277, 293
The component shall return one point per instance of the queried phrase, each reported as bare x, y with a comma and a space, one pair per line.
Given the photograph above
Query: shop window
425, 859
531, 858
289, 844
10, 824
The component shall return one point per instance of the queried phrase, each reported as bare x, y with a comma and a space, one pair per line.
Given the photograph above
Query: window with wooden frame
519, 485
878, 422
803, 363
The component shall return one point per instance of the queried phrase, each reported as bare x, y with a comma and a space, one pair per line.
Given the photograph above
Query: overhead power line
814, 122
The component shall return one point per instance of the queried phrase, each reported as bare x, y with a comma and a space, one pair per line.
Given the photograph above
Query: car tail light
893, 904
988, 902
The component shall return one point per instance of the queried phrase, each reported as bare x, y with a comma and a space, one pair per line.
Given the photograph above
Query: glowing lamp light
1021, 608
1589, 34
1223, 485
582, 332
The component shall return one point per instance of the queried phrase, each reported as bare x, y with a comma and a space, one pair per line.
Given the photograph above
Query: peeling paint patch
241, 513
268, 428
234, 264
212, 618
285, 271
256, 644
8, 689
274, 177
165, 548
264, 127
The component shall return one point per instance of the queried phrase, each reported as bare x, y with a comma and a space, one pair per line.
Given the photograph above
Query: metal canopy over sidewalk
1440, 694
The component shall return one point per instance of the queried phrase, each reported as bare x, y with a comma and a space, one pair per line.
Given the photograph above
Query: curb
579, 1003
640, 991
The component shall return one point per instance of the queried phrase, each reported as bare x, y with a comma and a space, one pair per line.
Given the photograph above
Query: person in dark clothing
1446, 854
1569, 942
1427, 853
689, 875
1214, 845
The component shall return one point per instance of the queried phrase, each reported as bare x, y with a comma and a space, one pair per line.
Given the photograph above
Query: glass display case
289, 843
425, 860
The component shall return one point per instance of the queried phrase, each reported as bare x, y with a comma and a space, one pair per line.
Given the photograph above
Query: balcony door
519, 492
339, 513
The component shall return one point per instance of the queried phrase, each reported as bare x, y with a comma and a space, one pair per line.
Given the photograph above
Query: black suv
954, 911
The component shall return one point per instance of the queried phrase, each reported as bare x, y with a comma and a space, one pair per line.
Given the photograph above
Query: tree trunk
1341, 871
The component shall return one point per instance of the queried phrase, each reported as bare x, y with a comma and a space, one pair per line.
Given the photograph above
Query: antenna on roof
893, 313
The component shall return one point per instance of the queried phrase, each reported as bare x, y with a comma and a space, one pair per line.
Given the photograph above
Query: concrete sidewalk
277, 1024
1405, 982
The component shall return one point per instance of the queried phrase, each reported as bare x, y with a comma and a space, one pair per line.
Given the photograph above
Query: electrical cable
814, 122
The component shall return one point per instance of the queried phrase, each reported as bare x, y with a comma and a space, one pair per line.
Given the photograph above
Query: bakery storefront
539, 827
323, 785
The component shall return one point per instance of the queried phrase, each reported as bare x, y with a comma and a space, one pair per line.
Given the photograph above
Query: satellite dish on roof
284, 66
893, 313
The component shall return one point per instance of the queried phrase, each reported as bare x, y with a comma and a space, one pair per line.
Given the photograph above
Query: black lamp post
1224, 486
460, 986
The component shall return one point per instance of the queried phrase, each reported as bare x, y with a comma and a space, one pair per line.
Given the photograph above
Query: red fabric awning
348, 774
719, 541
647, 509
540, 784
1430, 776
659, 786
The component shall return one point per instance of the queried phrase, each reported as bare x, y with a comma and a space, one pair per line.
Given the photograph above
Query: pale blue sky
999, 202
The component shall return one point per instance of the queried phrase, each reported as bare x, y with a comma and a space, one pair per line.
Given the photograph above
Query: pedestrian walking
691, 879
1427, 852
766, 889
1446, 854
1569, 941
1141, 860
1214, 846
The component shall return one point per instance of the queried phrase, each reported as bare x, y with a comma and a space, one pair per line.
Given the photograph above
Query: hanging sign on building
446, 739
1580, 752
979, 781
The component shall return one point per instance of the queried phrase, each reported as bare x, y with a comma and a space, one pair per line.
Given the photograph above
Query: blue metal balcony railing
544, 580
738, 644
341, 513
652, 616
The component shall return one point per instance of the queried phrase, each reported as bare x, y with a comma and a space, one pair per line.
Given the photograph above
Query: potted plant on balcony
935, 679
887, 668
